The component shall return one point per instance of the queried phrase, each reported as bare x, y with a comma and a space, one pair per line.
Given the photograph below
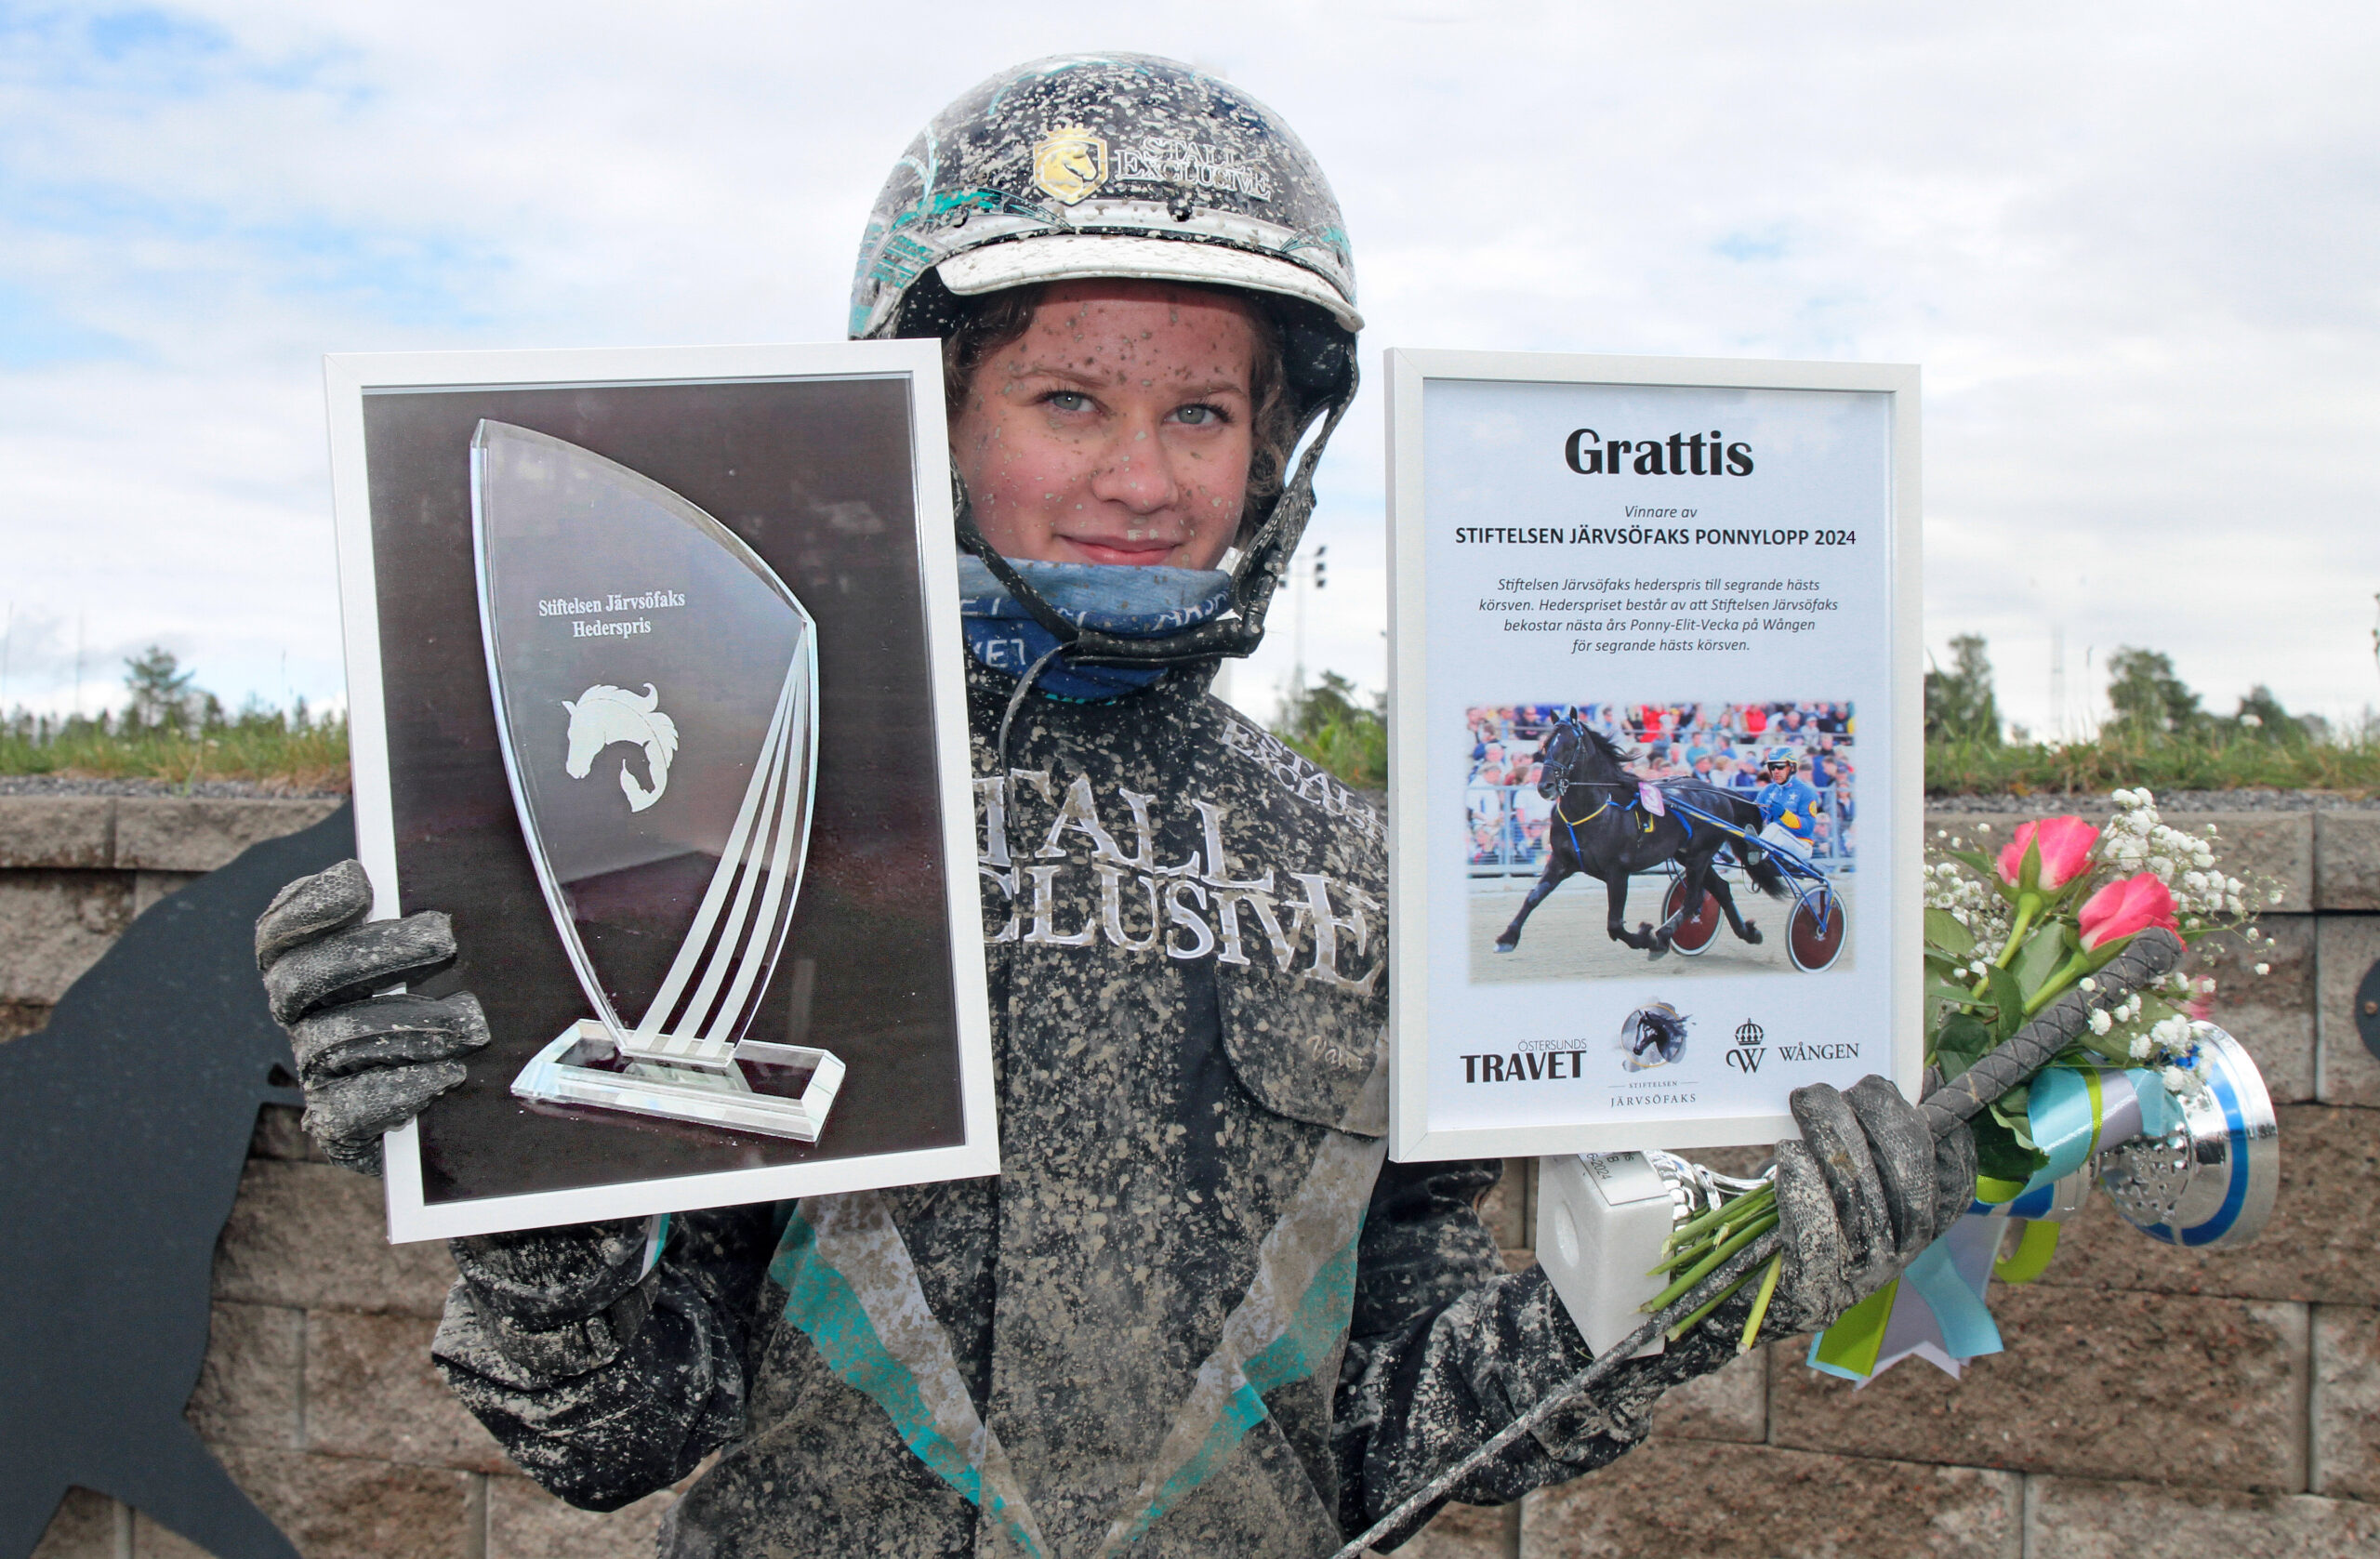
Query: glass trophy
656, 700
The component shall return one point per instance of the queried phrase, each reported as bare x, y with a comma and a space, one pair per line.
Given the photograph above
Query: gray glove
554, 1303
1865, 1190
368, 1064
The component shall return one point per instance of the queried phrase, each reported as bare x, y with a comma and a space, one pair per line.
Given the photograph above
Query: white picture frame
1492, 443
727, 1167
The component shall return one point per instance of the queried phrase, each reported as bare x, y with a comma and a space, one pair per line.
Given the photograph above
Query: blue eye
1200, 416
1066, 401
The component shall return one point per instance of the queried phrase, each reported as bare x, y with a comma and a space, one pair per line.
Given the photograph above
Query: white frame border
1405, 371
347, 379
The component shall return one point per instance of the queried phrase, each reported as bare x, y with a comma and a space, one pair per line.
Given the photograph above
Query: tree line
2152, 705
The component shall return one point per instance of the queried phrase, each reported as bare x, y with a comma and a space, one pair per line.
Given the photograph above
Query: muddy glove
1865, 1190
554, 1303
368, 1064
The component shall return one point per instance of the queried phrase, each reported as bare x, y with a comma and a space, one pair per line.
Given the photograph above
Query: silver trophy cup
2212, 1180
656, 700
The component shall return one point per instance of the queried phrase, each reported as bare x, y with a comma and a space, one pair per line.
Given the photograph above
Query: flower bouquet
2007, 932
2123, 1075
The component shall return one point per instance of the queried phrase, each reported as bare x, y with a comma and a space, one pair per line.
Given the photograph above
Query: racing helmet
1786, 756
1134, 166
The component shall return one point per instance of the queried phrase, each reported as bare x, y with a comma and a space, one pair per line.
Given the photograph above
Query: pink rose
2120, 910
2065, 852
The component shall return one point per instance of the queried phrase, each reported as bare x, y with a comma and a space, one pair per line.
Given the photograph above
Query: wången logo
1747, 1054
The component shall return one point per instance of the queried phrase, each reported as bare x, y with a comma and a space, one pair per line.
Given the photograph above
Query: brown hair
996, 319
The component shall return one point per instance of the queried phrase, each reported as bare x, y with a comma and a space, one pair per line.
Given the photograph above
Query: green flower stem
1693, 1251
2028, 903
1759, 1302
1689, 1239
1726, 1211
1697, 1318
1710, 1264
2080, 962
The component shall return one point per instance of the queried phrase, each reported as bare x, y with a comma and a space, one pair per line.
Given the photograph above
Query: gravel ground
68, 784
2167, 801
1566, 939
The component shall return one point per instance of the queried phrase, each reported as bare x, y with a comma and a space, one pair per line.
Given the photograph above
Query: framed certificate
1655, 747
655, 686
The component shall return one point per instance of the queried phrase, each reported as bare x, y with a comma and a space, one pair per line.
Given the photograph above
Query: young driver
1197, 1313
1789, 804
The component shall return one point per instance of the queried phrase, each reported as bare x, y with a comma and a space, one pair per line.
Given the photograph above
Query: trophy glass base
779, 1090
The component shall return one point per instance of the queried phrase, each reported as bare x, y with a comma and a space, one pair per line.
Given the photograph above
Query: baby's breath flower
2101, 1022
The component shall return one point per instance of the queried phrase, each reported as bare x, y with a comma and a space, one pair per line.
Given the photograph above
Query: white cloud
2132, 247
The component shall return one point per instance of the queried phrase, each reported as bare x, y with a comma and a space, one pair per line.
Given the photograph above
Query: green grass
272, 749
2202, 762
289, 752
1353, 744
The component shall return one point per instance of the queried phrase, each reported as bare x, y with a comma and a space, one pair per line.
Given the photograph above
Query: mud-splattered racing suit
1195, 1313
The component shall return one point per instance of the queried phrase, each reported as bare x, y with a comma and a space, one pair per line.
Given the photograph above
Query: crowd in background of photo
1712, 743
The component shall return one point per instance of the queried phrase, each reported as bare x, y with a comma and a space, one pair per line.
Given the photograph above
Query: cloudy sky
2132, 245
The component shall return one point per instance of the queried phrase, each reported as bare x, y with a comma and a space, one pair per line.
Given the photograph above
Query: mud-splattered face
1116, 429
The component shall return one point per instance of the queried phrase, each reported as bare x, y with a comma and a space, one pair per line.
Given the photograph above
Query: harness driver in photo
1197, 1313
1789, 804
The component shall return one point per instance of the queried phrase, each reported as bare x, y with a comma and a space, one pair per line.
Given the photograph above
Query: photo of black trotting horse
1605, 826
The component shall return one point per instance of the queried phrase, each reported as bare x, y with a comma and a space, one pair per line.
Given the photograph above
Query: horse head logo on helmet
1070, 163
1126, 167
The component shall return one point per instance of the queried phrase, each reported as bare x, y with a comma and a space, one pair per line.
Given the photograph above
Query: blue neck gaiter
1133, 603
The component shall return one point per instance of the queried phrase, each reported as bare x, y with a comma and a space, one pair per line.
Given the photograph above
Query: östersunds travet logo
1652, 1036
1745, 1057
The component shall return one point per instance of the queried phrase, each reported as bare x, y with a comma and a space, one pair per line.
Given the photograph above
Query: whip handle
2152, 955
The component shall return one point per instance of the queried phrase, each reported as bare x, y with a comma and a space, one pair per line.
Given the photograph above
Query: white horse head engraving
603, 715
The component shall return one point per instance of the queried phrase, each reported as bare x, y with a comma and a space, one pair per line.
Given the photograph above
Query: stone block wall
2187, 1403
317, 1392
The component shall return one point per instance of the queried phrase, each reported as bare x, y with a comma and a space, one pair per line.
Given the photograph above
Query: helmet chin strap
1261, 567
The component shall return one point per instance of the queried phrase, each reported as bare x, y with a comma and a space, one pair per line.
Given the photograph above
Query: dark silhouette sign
122, 1129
